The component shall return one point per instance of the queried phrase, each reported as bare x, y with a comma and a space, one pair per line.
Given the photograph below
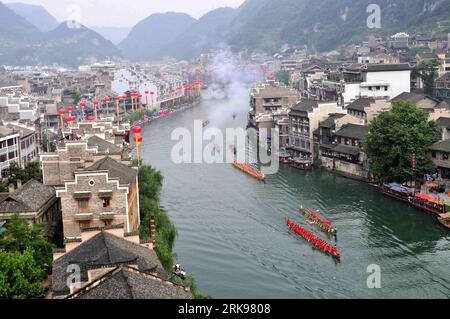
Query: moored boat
246, 168
313, 239
305, 165
444, 219
323, 224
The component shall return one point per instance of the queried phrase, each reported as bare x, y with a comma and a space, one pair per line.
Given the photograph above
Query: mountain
267, 25
113, 34
35, 14
326, 24
74, 45
210, 32
151, 34
21, 43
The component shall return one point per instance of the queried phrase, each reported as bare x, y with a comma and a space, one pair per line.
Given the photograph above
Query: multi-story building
9, 149
304, 119
444, 63
367, 109
103, 194
34, 202
345, 153
18, 108
440, 155
29, 147
442, 87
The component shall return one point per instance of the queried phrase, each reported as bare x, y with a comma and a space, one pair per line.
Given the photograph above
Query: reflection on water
231, 231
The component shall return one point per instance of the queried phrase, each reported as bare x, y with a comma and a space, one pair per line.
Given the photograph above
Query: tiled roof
442, 146
353, 131
305, 106
413, 97
344, 149
444, 122
386, 67
124, 173
104, 147
128, 283
444, 78
361, 104
100, 251
331, 121
31, 197
4, 131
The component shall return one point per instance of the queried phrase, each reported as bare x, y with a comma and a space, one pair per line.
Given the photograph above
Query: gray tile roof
31, 197
104, 147
444, 122
124, 173
304, 106
386, 67
345, 149
331, 121
129, 283
101, 251
413, 97
441, 146
361, 104
353, 131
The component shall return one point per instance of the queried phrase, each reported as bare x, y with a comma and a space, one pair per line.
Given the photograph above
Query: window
83, 203
11, 155
85, 224
433, 154
445, 156
108, 222
107, 203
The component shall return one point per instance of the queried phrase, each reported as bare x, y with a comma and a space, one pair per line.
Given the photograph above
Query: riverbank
150, 185
145, 118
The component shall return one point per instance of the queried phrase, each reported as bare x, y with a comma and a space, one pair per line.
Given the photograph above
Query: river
232, 235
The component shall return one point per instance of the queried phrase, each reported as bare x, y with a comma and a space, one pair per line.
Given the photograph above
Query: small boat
234, 115
324, 224
246, 168
313, 239
284, 158
305, 165
444, 219
205, 123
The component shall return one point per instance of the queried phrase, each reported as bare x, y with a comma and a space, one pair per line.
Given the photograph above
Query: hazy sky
123, 12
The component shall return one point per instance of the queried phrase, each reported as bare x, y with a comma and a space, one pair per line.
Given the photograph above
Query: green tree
150, 185
283, 77
427, 72
393, 139
20, 276
21, 236
32, 171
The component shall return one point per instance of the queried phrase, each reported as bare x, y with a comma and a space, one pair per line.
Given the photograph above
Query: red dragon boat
313, 239
246, 168
323, 224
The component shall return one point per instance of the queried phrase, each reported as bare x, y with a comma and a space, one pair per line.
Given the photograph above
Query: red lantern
152, 93
117, 98
62, 112
137, 129
107, 99
124, 97
146, 92
82, 104
70, 108
138, 138
91, 118
96, 103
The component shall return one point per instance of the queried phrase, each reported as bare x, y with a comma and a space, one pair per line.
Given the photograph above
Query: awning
82, 195
105, 194
107, 216
429, 198
84, 217
344, 149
